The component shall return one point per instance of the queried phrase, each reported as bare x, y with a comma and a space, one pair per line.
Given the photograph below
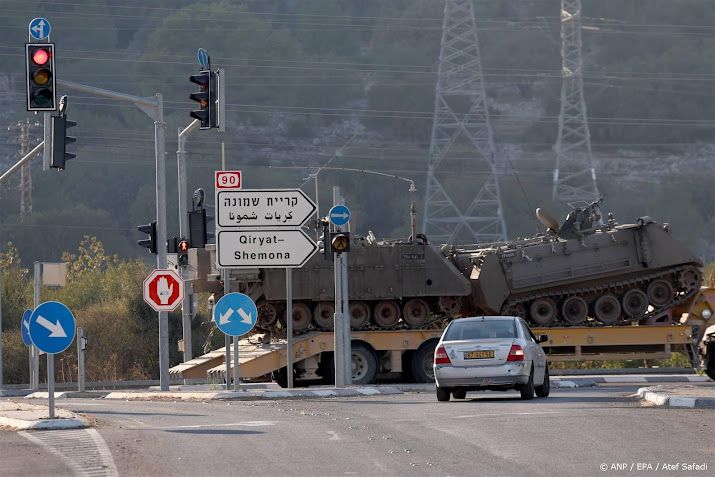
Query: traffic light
172, 245
150, 242
340, 242
206, 97
60, 139
182, 256
325, 238
40, 76
198, 230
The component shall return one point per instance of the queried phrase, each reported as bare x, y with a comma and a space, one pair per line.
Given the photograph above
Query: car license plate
479, 354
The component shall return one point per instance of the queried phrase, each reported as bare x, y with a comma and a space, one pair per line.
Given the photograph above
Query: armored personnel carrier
586, 271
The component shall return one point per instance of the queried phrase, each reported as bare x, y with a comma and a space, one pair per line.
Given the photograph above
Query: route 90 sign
228, 179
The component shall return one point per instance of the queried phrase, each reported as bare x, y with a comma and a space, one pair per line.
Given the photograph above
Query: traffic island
679, 396
22, 416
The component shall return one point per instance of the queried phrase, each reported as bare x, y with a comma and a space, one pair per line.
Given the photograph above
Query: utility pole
25, 175
574, 176
461, 110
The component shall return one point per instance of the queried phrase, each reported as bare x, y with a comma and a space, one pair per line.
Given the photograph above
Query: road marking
334, 436
230, 424
83, 450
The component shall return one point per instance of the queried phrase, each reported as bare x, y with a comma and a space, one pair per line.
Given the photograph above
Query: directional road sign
339, 215
52, 327
235, 314
40, 28
227, 180
264, 248
163, 290
25, 328
263, 208
203, 58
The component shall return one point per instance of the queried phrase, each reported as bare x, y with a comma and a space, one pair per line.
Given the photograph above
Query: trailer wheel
364, 363
422, 361
280, 376
710, 361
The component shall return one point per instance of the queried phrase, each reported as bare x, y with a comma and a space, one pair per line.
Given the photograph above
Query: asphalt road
573, 432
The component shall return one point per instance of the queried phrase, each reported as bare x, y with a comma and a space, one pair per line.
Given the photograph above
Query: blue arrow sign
203, 58
40, 28
235, 314
52, 327
25, 328
339, 215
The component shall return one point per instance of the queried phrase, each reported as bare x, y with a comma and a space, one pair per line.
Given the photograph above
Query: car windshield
481, 330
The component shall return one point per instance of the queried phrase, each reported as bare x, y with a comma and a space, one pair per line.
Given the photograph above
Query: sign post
235, 314
52, 329
339, 215
261, 228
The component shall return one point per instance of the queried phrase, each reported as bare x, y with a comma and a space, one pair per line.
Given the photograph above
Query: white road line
83, 450
229, 424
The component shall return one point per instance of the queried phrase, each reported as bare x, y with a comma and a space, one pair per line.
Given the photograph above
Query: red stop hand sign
163, 290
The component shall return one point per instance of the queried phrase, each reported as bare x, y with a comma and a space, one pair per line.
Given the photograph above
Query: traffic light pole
184, 232
154, 108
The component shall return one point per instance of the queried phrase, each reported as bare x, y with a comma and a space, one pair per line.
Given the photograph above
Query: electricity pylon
461, 112
574, 176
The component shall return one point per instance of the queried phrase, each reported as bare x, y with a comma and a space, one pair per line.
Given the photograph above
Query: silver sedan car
490, 353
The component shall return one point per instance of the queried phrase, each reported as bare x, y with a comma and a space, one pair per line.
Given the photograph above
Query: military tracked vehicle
584, 272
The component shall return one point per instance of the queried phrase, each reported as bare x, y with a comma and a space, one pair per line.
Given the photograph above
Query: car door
535, 352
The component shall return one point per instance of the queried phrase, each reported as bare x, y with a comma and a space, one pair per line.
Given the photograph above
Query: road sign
227, 179
235, 314
25, 328
203, 58
52, 327
39, 28
339, 215
163, 290
264, 248
263, 208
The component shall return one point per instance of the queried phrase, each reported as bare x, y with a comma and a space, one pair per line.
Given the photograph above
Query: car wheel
544, 389
527, 390
459, 394
442, 394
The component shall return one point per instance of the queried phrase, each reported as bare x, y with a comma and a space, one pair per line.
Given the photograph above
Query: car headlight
706, 314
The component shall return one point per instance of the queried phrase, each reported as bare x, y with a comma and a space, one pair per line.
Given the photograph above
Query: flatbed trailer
408, 353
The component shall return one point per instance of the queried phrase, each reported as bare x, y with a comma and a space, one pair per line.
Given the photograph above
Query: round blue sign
52, 327
339, 215
39, 28
25, 328
235, 314
203, 58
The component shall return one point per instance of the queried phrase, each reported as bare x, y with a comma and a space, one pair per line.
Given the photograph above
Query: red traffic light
184, 246
41, 56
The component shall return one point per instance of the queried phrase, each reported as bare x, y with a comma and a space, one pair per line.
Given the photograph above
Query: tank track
517, 305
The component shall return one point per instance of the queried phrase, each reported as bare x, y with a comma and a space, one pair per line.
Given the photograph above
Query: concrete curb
663, 398
252, 395
42, 424
648, 379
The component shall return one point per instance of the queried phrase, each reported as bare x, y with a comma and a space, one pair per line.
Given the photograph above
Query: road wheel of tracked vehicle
690, 279
415, 312
574, 310
635, 303
387, 314
301, 316
267, 315
607, 309
543, 311
660, 293
324, 315
364, 363
450, 305
422, 361
359, 314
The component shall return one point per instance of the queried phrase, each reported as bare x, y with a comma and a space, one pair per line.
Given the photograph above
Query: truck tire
710, 361
280, 376
422, 361
364, 363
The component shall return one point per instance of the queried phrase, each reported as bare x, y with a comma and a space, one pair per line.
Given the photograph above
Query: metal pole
1, 380
160, 153
236, 380
227, 340
184, 232
80, 359
22, 161
338, 325
347, 345
289, 322
317, 209
35, 375
51, 383
48, 140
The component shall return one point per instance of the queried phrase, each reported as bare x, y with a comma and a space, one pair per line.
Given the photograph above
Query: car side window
527, 332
